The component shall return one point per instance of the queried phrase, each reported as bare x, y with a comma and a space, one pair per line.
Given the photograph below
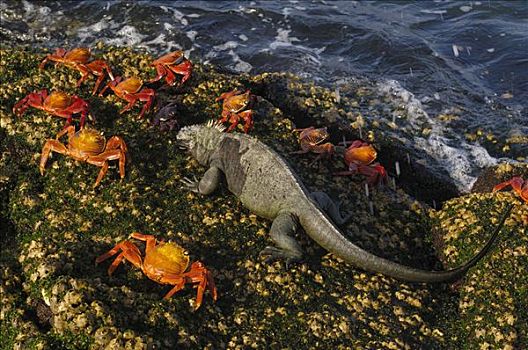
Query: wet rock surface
54, 296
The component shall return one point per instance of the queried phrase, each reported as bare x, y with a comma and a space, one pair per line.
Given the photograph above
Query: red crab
57, 103
131, 90
518, 184
359, 157
87, 145
79, 58
164, 263
170, 64
311, 140
237, 106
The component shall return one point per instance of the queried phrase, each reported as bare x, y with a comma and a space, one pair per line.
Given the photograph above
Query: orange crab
359, 158
79, 58
170, 64
131, 90
164, 263
87, 145
237, 106
311, 140
518, 184
57, 103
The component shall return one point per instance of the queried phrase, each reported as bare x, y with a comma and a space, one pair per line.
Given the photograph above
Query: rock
494, 294
58, 225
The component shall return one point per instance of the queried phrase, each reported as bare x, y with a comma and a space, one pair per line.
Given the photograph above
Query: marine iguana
267, 186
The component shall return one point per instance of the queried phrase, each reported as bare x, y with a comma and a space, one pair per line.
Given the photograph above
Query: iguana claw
273, 253
190, 185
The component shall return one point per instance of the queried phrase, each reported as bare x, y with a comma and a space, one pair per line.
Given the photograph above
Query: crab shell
88, 141
313, 136
171, 58
237, 103
78, 55
360, 152
165, 258
57, 100
130, 86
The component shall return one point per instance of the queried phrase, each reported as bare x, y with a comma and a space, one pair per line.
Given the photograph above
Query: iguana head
201, 140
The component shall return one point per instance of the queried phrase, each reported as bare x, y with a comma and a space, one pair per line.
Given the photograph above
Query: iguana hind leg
282, 230
329, 207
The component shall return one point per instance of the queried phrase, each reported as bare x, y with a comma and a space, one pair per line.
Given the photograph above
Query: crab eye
185, 253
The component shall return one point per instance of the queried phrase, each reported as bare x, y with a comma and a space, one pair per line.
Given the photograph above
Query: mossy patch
494, 297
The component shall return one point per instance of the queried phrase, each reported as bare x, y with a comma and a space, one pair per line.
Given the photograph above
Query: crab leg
105, 88
70, 130
184, 68
97, 68
116, 142
195, 275
247, 116
85, 73
170, 78
128, 251
102, 161
161, 71
56, 56
34, 99
228, 94
53, 145
150, 240
198, 273
78, 106
146, 95
179, 283
50, 146
515, 183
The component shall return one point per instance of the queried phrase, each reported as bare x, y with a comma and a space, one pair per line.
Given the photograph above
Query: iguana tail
326, 234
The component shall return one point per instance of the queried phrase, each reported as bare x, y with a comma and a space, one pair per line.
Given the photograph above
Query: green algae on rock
53, 295
494, 298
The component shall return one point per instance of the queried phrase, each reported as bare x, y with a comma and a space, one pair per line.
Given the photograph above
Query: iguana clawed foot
190, 184
271, 254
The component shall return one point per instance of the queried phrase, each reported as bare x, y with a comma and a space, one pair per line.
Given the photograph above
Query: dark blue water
450, 55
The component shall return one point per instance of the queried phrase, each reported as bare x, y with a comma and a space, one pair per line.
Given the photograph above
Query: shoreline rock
53, 295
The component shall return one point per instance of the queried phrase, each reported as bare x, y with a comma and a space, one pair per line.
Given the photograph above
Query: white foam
463, 161
238, 64
28, 7
161, 40
283, 39
191, 34
179, 16
228, 45
416, 113
286, 12
44, 10
126, 36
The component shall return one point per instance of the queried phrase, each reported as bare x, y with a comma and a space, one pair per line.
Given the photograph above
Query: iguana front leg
282, 230
329, 207
208, 184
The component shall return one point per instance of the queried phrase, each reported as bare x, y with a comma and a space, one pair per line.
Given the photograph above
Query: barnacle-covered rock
494, 295
53, 295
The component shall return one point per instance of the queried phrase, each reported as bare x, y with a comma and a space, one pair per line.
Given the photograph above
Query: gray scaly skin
268, 187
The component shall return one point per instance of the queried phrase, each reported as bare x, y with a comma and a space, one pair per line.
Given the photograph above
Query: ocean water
436, 56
